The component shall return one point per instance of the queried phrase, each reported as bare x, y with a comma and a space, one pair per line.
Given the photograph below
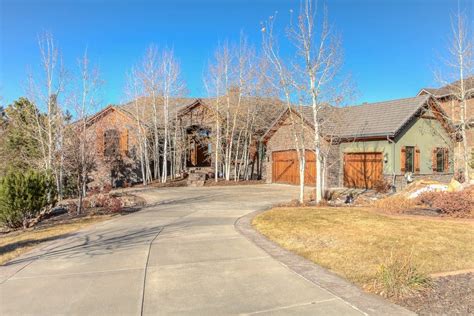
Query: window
410, 159
441, 159
111, 143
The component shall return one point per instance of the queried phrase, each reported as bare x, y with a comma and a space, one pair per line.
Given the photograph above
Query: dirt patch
449, 295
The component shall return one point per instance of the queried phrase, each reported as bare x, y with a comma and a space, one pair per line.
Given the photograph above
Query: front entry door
198, 154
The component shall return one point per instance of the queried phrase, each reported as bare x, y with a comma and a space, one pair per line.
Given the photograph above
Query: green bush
23, 195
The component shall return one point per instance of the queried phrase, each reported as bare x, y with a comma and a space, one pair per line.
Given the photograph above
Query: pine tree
19, 144
24, 195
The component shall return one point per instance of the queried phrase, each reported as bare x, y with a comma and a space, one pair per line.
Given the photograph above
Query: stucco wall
426, 134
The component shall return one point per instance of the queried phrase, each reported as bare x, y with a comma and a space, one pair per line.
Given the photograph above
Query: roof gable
192, 106
450, 89
280, 120
104, 112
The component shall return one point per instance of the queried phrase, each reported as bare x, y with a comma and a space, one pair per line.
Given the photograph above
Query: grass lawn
14, 244
353, 242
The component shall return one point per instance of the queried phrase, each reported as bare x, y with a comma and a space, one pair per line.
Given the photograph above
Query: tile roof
144, 108
369, 119
268, 109
377, 119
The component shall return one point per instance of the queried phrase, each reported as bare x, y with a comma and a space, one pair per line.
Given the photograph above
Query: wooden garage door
285, 167
362, 170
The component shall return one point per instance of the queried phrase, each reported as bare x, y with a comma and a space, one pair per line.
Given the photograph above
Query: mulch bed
178, 182
60, 215
213, 183
449, 295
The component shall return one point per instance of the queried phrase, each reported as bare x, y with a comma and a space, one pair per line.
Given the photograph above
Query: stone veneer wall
129, 167
451, 107
401, 183
283, 139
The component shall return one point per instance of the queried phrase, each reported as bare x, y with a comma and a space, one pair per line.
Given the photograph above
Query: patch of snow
428, 188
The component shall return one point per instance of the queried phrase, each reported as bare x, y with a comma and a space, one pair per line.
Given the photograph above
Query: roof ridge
385, 101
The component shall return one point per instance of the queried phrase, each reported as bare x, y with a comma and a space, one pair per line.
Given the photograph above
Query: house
446, 97
367, 143
116, 133
364, 144
113, 133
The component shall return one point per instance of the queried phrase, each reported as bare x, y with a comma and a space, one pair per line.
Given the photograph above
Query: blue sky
391, 47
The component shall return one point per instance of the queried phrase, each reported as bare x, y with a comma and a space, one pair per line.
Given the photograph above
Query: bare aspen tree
322, 60
149, 74
231, 84
213, 84
170, 86
244, 82
228, 136
45, 91
460, 81
284, 84
257, 113
80, 153
132, 91
161, 81
316, 62
221, 81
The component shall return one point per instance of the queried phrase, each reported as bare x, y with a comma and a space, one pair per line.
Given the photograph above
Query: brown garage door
285, 167
362, 170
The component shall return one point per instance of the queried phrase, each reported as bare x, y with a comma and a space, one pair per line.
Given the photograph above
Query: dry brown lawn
353, 242
16, 243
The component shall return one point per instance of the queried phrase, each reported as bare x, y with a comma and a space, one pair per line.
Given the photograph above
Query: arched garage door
362, 170
285, 167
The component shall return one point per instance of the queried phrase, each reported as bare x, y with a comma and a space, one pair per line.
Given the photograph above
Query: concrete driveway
180, 255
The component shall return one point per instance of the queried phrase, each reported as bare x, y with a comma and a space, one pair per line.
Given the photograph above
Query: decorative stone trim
401, 183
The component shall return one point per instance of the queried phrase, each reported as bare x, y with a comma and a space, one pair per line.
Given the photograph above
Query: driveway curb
368, 303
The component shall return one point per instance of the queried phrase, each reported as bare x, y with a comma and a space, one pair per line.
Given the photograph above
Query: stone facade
283, 139
451, 107
122, 167
198, 124
400, 181
201, 116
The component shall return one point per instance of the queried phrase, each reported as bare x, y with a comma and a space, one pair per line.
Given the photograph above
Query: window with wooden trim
409, 159
440, 159
124, 142
111, 143
417, 160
